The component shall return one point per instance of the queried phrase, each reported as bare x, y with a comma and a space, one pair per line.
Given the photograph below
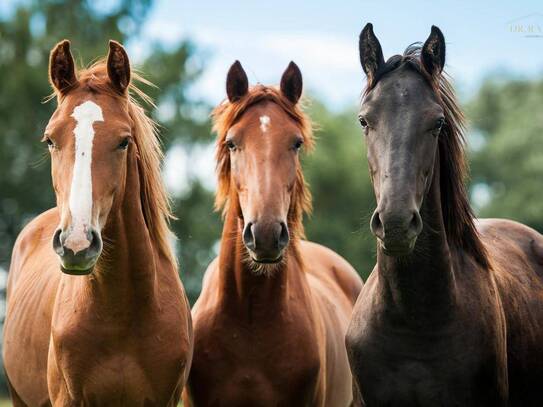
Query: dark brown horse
96, 313
452, 314
270, 322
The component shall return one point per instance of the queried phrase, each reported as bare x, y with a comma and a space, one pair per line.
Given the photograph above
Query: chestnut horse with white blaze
96, 313
452, 314
269, 325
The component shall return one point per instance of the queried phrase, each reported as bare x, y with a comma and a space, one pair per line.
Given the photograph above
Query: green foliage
185, 124
343, 199
199, 231
507, 115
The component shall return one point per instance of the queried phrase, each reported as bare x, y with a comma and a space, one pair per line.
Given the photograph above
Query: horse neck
418, 288
242, 290
125, 276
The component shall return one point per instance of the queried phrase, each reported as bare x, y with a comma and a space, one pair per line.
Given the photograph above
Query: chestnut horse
86, 324
269, 325
452, 314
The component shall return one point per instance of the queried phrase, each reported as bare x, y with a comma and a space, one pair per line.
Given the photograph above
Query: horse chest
409, 382
122, 364
394, 368
257, 366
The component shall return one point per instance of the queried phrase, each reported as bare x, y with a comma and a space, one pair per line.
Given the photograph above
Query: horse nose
249, 237
396, 227
58, 242
81, 261
415, 226
376, 226
266, 240
284, 237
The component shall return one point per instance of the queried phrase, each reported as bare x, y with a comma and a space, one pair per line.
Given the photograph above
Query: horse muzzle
397, 233
266, 241
77, 257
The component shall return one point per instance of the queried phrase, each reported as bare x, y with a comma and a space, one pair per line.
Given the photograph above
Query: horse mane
154, 198
457, 213
227, 114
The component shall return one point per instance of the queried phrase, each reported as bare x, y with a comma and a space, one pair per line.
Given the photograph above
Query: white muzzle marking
81, 190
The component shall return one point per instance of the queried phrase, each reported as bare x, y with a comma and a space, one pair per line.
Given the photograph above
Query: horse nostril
249, 237
376, 226
57, 243
284, 237
95, 242
415, 226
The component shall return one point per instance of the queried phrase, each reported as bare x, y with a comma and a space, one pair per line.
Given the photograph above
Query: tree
343, 199
506, 165
197, 227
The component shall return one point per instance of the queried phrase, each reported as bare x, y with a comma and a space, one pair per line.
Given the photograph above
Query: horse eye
124, 144
439, 123
50, 143
298, 144
230, 145
363, 122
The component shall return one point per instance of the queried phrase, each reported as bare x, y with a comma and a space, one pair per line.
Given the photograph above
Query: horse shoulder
174, 321
209, 291
365, 303
34, 237
362, 327
326, 264
335, 286
522, 237
516, 253
204, 310
34, 273
30, 294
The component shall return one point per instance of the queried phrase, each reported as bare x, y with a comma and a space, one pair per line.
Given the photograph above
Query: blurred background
494, 53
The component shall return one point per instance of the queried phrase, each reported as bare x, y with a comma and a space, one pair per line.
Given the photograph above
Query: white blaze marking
264, 123
81, 191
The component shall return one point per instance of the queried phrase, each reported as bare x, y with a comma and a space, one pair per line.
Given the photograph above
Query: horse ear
371, 53
118, 66
237, 84
433, 52
62, 68
291, 83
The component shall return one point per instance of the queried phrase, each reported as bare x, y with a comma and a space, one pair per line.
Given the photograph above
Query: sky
483, 38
